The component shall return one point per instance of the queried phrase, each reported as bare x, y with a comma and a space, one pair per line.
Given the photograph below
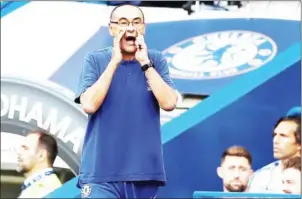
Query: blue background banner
162, 36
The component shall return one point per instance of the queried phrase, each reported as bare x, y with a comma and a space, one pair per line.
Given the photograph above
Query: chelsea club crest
219, 54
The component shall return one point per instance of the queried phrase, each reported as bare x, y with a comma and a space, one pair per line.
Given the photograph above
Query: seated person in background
291, 178
35, 160
286, 144
235, 169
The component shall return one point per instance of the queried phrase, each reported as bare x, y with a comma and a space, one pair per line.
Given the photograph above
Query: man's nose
276, 140
236, 174
131, 28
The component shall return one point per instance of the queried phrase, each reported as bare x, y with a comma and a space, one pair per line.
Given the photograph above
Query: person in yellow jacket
35, 160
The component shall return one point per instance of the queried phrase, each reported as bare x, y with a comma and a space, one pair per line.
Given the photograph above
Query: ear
219, 172
112, 30
142, 30
251, 172
42, 155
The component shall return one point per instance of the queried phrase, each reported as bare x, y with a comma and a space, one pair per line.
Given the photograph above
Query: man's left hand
141, 54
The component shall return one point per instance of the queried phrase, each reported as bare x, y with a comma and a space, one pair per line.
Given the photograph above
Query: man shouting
122, 88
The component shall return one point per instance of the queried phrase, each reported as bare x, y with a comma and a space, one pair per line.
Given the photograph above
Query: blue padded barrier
213, 194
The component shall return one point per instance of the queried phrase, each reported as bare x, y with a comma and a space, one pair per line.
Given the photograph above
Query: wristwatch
146, 66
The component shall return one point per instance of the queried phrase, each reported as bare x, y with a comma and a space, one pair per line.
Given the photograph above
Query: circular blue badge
219, 54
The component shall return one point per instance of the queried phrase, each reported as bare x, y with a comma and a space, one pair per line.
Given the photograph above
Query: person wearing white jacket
286, 144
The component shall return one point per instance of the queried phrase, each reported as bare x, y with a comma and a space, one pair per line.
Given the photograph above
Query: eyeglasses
125, 24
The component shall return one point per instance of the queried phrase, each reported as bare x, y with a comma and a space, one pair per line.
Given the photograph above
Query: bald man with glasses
122, 89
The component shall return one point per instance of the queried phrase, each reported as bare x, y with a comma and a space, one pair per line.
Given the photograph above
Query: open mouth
130, 38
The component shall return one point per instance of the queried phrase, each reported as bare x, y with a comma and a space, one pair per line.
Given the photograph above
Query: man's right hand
93, 97
116, 52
